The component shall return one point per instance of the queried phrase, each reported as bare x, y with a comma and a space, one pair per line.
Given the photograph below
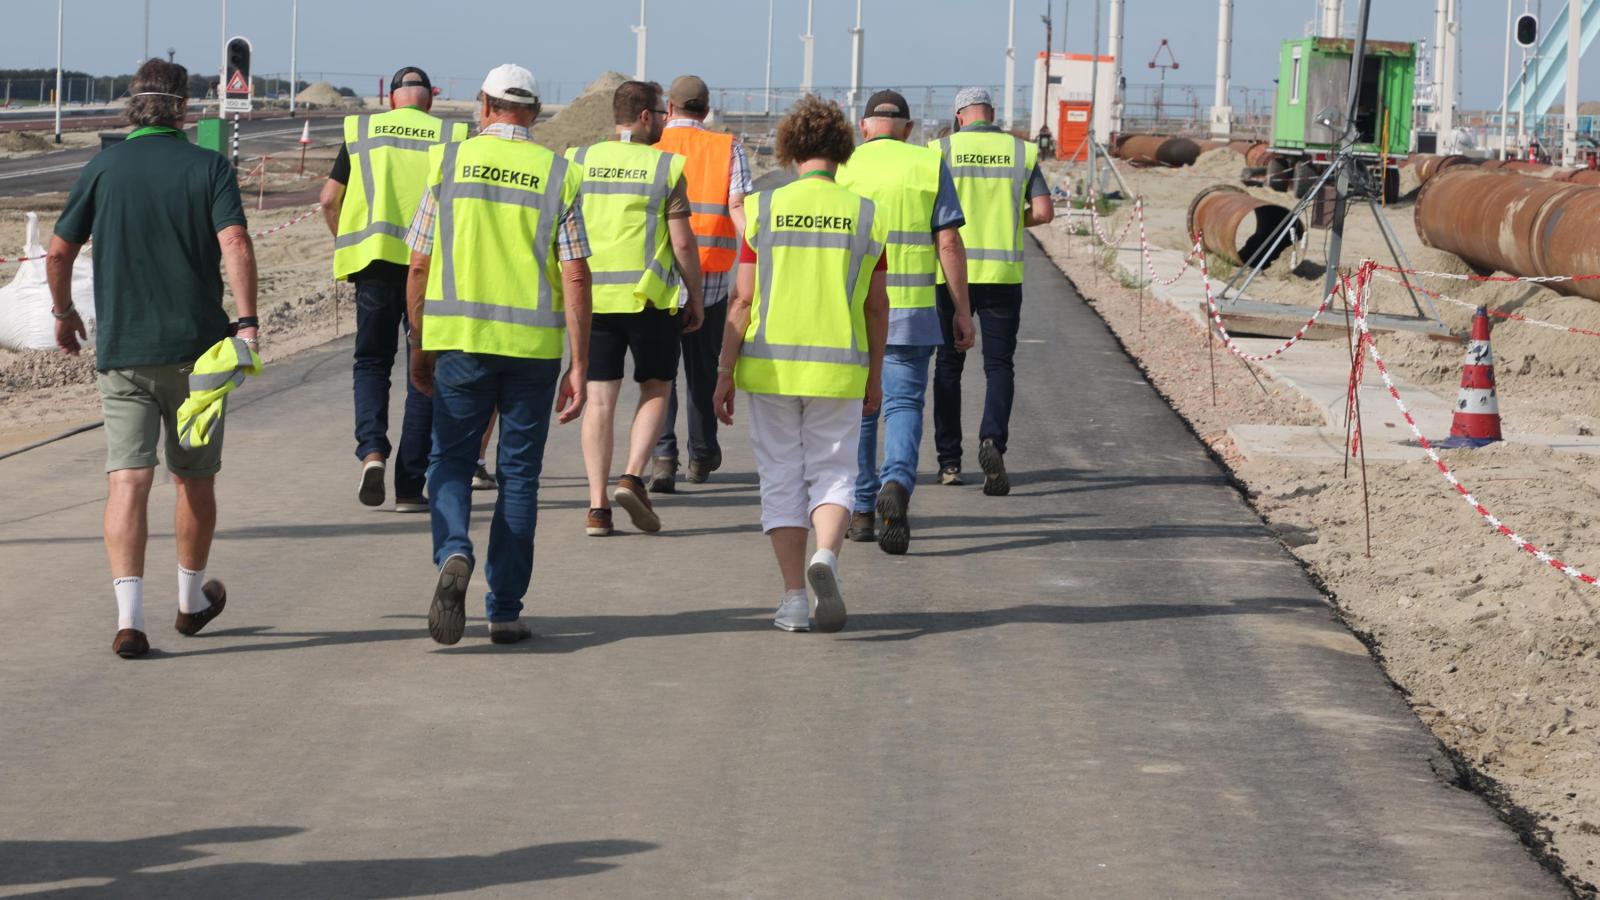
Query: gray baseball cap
973, 96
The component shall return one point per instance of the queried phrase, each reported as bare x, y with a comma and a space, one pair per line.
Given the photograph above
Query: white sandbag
25, 319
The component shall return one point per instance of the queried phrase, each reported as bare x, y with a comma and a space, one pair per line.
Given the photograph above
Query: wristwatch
69, 312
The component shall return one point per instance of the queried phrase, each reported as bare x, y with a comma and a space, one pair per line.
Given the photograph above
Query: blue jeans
701, 351
905, 385
467, 388
998, 309
380, 318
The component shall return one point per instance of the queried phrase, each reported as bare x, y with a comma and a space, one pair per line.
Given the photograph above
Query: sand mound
22, 142
585, 120
1221, 163
322, 94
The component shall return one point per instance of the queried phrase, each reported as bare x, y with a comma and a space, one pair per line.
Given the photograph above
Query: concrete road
1113, 683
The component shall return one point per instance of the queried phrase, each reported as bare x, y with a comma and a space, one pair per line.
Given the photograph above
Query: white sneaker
823, 574
794, 613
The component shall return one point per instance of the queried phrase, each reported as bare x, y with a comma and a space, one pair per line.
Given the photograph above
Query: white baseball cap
512, 83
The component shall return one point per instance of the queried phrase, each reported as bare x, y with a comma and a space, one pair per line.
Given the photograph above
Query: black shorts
653, 336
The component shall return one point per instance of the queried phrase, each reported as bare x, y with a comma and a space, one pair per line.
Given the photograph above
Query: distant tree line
33, 85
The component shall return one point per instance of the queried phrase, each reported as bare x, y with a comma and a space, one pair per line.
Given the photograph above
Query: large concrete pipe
1236, 226
1155, 150
1504, 222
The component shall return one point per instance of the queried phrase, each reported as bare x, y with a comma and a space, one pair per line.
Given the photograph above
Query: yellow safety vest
902, 181
816, 245
495, 283
991, 171
217, 372
624, 201
388, 171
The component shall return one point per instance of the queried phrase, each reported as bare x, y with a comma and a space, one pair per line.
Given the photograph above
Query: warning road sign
237, 84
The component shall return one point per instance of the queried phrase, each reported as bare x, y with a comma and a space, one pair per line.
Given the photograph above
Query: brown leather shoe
189, 624
862, 528
130, 643
664, 475
631, 496
599, 523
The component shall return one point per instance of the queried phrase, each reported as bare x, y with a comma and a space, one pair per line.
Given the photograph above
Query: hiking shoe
863, 529
823, 575
410, 505
509, 632
131, 643
950, 475
371, 492
630, 494
794, 613
598, 523
700, 469
189, 624
893, 500
483, 481
993, 461
664, 475
447, 616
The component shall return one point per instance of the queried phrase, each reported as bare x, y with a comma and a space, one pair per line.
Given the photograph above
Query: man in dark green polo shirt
164, 215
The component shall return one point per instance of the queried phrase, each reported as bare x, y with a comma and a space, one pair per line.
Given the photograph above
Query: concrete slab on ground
1113, 683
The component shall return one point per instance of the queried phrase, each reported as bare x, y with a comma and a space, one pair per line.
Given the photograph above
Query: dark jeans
701, 350
380, 319
998, 309
468, 388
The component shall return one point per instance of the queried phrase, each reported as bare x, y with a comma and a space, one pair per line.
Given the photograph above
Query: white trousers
805, 454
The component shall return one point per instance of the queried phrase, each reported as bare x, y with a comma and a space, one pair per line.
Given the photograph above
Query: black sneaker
895, 536
950, 475
993, 461
447, 616
700, 469
863, 530
509, 632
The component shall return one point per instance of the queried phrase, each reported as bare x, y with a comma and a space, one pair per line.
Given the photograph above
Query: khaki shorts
141, 403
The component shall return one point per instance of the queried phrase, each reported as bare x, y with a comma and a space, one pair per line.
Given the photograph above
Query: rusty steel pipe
1258, 156
1590, 177
1512, 223
1427, 165
1236, 226
1155, 150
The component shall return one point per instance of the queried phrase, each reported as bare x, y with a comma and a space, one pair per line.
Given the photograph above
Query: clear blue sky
909, 42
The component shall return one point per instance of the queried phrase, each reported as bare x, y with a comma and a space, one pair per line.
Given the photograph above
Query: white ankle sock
130, 602
483, 462
190, 598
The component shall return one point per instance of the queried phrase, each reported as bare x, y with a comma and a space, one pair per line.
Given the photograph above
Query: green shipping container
1314, 87
211, 134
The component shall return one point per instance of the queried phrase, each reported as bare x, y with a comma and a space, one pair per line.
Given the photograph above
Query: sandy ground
18, 144
1498, 653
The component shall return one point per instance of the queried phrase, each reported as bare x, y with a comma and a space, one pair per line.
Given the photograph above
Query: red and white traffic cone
305, 141
1477, 418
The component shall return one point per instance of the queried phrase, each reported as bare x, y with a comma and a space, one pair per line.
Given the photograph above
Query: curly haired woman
804, 341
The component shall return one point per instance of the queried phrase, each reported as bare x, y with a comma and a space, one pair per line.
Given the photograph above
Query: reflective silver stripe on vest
717, 243
858, 244
549, 206
1005, 256
617, 187
356, 237
710, 209
911, 238
494, 312
926, 280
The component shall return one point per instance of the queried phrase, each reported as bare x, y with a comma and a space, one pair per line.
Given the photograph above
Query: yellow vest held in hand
388, 172
624, 201
215, 374
816, 246
991, 171
902, 181
494, 285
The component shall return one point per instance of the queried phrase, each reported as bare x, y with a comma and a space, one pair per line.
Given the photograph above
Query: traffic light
1527, 30
239, 61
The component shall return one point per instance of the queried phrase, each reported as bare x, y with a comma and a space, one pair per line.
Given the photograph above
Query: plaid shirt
740, 183
571, 239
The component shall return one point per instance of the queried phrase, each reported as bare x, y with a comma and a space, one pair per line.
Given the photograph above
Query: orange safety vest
709, 156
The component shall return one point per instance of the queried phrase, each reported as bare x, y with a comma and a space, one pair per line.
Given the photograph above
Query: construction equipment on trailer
1308, 117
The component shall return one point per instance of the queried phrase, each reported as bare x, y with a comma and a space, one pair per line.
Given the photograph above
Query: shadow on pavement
125, 862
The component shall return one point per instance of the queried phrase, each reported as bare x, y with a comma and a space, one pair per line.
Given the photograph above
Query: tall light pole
60, 21
1114, 48
858, 40
294, 56
810, 40
768, 107
1505, 86
1569, 142
639, 52
1221, 112
1011, 67
146, 32
222, 68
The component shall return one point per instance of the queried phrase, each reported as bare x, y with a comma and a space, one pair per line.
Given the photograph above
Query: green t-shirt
154, 205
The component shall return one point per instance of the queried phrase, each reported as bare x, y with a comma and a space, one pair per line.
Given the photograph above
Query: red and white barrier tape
1149, 260
1093, 206
1512, 279
1510, 317
257, 234
1359, 309
1227, 339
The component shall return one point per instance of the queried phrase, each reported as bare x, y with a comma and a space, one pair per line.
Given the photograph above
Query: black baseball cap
410, 76
888, 105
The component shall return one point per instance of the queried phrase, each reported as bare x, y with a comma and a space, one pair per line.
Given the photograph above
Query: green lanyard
155, 129
823, 173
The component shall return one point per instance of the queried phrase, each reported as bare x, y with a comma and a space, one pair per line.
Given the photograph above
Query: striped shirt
571, 239
739, 184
